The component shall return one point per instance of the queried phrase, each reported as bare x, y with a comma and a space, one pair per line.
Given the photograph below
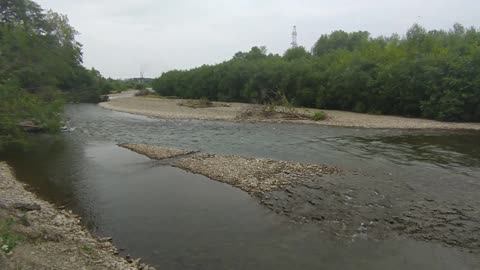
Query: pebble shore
169, 109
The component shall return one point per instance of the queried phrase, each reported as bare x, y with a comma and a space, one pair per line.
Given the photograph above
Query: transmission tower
294, 37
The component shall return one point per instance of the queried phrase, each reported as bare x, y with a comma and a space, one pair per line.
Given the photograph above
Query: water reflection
444, 150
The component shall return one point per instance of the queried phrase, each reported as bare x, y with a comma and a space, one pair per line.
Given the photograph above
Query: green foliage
340, 40
296, 53
140, 86
8, 239
40, 66
319, 116
18, 105
431, 74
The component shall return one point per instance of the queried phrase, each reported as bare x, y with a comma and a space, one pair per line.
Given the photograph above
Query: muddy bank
353, 205
170, 109
34, 234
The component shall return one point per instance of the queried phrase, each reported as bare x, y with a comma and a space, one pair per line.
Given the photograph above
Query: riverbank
352, 205
34, 234
170, 109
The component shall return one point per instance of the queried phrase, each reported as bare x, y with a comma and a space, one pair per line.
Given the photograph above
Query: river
176, 220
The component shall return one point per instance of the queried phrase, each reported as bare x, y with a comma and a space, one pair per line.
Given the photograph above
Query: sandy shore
169, 109
344, 204
34, 234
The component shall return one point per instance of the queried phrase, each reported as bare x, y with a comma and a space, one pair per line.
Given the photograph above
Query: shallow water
178, 220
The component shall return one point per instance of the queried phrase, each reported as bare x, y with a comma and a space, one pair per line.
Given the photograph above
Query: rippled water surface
177, 220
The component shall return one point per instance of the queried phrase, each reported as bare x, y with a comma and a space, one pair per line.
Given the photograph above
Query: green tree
40, 66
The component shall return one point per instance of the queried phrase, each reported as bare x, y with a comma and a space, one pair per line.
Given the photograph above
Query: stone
27, 206
129, 259
104, 98
105, 239
3, 205
29, 232
3, 261
52, 236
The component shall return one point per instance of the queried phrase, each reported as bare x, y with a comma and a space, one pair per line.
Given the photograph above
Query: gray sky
122, 37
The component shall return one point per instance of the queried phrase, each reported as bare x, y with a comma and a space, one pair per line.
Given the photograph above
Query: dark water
177, 220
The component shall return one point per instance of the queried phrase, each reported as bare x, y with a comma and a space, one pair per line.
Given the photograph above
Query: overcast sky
123, 37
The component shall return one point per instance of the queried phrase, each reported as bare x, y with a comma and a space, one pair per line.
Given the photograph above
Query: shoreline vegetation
34, 234
166, 108
345, 204
42, 69
429, 74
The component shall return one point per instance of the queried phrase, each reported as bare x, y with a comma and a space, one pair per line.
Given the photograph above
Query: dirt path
169, 109
34, 234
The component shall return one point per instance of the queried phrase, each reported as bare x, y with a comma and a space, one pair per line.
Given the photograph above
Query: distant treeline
433, 74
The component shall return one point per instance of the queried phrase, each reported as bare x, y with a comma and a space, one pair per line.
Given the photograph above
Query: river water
177, 220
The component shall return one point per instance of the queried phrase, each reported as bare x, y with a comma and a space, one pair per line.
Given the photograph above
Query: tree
431, 74
40, 66
340, 40
296, 53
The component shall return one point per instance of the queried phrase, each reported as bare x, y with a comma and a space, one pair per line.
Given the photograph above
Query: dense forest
40, 69
432, 74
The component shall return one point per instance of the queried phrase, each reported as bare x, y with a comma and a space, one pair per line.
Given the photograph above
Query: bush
431, 74
140, 86
319, 116
17, 106
200, 103
8, 239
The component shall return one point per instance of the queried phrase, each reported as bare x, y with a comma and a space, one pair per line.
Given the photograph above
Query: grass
8, 239
88, 249
319, 116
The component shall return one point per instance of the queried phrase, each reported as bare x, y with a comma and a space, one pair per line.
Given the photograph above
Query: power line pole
294, 37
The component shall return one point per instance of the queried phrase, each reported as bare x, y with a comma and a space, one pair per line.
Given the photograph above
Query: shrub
199, 103
319, 116
140, 86
8, 239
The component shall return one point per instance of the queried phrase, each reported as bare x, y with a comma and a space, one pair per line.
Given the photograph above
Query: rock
105, 239
3, 261
29, 232
23, 219
3, 205
52, 236
27, 206
320, 218
104, 98
58, 220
